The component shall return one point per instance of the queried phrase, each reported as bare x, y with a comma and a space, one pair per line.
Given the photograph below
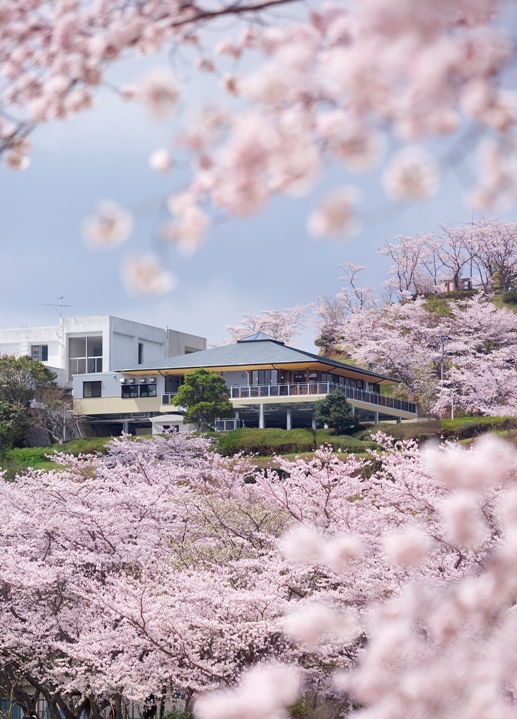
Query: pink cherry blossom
159, 91
412, 174
161, 161
336, 215
144, 275
110, 227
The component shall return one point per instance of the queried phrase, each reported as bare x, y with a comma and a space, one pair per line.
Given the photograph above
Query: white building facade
98, 344
85, 353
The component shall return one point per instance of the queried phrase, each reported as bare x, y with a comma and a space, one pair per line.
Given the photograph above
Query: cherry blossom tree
161, 566
495, 255
439, 645
417, 260
324, 87
405, 341
283, 325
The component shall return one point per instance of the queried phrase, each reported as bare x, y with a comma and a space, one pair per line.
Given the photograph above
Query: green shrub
509, 297
419, 431
467, 427
270, 441
14, 461
344, 442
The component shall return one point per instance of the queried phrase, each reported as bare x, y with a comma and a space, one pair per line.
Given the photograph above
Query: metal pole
442, 342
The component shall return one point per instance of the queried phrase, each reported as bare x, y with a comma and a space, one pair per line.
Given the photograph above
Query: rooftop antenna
59, 308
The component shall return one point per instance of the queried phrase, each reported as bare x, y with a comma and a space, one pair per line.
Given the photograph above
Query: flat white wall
18, 342
152, 351
239, 378
122, 350
181, 341
111, 385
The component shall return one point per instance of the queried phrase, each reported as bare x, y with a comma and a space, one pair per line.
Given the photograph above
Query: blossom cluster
163, 566
323, 88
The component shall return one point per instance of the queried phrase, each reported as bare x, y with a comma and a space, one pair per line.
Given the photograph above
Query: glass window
94, 364
326, 377
40, 353
264, 376
92, 389
129, 391
299, 376
84, 355
94, 346
77, 347
313, 376
147, 390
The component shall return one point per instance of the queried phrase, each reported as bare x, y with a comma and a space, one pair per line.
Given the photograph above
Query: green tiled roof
257, 349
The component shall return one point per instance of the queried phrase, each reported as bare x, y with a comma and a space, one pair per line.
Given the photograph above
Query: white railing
320, 388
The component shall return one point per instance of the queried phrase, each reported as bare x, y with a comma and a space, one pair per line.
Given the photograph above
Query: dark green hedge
270, 441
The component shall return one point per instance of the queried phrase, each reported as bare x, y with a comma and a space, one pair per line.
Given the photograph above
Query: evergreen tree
203, 394
335, 411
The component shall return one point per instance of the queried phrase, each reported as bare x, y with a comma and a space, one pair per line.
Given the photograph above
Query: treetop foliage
204, 394
335, 411
21, 379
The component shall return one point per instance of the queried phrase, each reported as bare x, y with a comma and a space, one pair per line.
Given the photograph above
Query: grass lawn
267, 443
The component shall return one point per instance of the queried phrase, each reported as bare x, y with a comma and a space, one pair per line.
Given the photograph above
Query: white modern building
84, 352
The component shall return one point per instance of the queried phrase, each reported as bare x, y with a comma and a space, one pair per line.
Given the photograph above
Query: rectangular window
147, 390
92, 389
129, 391
299, 377
84, 355
140, 353
40, 353
264, 376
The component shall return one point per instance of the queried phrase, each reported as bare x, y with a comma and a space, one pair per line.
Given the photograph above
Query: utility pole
442, 356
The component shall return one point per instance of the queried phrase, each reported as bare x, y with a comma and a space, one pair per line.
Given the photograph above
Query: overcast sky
266, 262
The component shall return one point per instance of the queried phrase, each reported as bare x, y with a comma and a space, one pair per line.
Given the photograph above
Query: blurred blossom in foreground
161, 161
409, 548
144, 275
305, 546
336, 215
263, 693
412, 174
110, 227
160, 91
310, 624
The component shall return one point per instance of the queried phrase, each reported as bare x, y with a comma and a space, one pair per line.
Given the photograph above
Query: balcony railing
320, 388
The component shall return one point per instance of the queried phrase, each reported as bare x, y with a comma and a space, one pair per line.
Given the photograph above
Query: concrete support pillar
399, 420
262, 423
325, 426
288, 424
313, 421
376, 418
125, 427
353, 411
